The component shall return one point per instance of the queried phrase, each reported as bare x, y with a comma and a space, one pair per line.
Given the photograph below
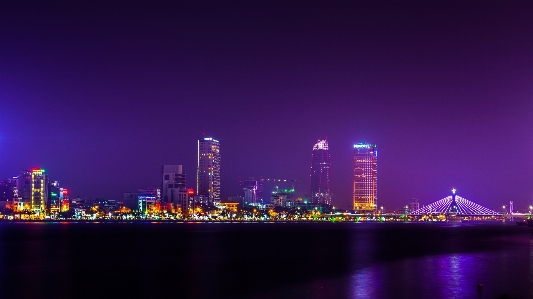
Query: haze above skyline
102, 94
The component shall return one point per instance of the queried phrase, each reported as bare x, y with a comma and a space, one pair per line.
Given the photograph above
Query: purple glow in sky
101, 94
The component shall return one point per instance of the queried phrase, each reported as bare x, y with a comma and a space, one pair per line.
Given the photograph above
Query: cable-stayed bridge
455, 205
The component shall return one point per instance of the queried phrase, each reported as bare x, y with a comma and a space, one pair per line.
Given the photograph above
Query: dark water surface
262, 260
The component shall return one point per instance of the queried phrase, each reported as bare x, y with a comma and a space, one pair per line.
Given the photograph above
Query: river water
265, 260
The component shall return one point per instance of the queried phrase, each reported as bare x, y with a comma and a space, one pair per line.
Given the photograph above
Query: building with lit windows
232, 207
147, 200
143, 201
365, 191
34, 191
64, 199
24, 194
282, 198
208, 170
54, 201
321, 173
39, 191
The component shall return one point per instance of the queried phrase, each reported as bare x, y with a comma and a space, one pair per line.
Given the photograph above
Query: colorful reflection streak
449, 276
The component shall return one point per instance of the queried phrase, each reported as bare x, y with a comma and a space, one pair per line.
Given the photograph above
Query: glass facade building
208, 170
365, 180
321, 173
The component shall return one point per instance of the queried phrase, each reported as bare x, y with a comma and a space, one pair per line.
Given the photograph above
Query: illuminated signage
360, 145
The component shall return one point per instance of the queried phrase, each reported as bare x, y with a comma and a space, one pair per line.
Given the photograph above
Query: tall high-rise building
208, 170
54, 193
321, 173
24, 183
365, 191
39, 191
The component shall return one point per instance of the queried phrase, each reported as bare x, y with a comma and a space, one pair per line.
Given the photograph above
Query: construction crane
292, 181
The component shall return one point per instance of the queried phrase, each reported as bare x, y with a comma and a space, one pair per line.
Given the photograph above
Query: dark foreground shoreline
94, 259
245, 221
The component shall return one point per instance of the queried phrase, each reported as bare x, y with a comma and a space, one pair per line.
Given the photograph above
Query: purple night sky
101, 94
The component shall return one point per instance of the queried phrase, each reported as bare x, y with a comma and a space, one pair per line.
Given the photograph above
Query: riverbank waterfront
265, 260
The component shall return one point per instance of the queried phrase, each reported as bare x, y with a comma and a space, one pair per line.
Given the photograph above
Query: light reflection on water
504, 270
455, 275
441, 276
274, 261
365, 283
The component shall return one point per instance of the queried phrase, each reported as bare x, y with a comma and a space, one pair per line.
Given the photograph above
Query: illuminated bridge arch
454, 204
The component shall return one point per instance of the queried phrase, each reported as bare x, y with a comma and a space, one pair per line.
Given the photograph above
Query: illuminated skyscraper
321, 173
208, 170
365, 191
39, 191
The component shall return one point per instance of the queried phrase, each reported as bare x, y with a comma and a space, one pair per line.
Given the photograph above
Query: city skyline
444, 89
35, 192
